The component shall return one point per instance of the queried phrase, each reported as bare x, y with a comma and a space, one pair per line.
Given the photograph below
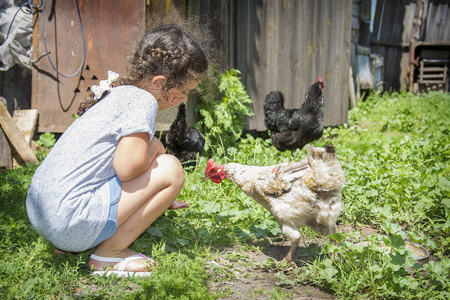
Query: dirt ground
257, 271
241, 274
252, 281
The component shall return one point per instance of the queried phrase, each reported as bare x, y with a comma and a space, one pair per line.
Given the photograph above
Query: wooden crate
433, 71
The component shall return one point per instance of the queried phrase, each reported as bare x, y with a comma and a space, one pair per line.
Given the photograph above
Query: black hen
292, 129
184, 141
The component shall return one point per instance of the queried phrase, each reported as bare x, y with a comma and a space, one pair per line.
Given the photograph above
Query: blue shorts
115, 190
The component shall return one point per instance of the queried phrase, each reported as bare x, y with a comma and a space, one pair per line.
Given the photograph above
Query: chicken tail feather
330, 152
330, 148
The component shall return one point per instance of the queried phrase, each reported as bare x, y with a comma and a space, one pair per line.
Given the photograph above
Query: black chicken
184, 141
292, 129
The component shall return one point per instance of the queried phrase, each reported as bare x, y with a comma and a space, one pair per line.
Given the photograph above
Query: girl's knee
172, 168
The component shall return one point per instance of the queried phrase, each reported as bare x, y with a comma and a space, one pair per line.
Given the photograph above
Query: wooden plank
431, 81
433, 69
26, 121
15, 136
388, 23
351, 88
436, 76
5, 151
438, 24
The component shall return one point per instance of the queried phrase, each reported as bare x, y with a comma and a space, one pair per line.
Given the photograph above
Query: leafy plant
371, 269
223, 107
46, 140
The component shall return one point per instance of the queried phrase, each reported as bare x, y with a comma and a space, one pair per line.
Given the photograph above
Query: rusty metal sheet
110, 30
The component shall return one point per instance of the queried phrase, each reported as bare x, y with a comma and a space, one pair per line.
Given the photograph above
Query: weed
223, 117
46, 140
369, 269
185, 281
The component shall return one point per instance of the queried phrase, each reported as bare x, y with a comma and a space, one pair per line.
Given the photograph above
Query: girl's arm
134, 154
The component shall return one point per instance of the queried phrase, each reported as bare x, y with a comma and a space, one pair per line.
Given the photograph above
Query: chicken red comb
209, 164
321, 81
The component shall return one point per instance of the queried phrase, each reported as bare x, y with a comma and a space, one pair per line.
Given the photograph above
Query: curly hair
168, 50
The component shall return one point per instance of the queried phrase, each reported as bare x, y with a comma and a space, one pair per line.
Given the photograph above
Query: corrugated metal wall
286, 45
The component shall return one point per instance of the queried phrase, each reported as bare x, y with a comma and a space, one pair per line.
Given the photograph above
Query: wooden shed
277, 45
398, 27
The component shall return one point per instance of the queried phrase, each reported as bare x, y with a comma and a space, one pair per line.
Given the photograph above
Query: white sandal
122, 264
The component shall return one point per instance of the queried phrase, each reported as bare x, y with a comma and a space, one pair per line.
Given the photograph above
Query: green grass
395, 154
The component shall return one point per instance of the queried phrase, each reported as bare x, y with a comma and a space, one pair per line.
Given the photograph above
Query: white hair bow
105, 85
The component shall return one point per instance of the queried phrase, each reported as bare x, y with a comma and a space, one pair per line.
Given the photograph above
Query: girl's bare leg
142, 201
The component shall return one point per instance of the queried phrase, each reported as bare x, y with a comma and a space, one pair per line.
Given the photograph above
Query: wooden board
5, 151
26, 121
15, 136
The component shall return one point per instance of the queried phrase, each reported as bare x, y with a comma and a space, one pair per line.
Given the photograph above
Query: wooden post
15, 136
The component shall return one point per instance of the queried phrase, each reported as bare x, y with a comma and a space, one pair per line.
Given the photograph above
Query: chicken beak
207, 178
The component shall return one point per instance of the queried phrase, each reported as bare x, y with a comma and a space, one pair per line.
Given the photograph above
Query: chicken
292, 129
183, 141
297, 194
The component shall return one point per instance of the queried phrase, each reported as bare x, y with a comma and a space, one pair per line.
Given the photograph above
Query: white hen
296, 193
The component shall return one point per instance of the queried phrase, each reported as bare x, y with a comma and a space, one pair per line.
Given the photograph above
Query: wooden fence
287, 45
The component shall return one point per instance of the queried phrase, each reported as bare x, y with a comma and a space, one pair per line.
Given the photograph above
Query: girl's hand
179, 204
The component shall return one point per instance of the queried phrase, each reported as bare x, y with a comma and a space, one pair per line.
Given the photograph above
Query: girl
107, 179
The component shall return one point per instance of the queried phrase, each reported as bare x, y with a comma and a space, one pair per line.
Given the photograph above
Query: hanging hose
45, 42
32, 9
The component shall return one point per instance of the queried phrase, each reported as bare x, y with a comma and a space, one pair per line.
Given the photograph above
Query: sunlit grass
395, 153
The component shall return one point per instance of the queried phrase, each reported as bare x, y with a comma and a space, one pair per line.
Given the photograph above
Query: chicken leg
290, 255
294, 236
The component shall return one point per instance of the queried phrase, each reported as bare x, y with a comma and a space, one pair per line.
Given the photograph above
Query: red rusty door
110, 29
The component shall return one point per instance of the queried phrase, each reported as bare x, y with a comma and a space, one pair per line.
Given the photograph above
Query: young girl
107, 179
